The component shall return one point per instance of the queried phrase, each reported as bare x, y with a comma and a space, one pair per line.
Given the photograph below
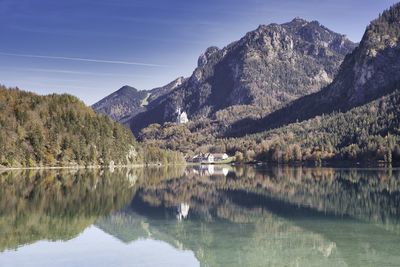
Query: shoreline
336, 165
88, 167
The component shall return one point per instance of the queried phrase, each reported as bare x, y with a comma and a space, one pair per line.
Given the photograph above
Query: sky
91, 48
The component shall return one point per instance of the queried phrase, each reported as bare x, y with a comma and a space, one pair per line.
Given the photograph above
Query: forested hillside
370, 132
367, 133
59, 130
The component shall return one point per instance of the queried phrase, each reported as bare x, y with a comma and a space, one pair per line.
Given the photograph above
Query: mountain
59, 130
262, 72
126, 101
356, 117
129, 101
369, 72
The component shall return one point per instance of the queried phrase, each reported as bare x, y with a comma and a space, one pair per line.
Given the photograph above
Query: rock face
163, 90
369, 72
250, 78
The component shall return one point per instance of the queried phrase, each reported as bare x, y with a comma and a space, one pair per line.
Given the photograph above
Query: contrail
78, 72
85, 60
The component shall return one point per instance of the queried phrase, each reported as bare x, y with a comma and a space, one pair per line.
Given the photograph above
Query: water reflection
183, 211
370, 195
228, 216
55, 205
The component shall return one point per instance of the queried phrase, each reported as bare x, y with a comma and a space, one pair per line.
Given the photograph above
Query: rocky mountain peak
376, 62
121, 103
178, 81
299, 20
383, 32
368, 73
204, 58
263, 71
126, 89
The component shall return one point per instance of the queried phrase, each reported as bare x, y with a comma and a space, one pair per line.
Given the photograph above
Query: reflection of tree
56, 205
371, 195
150, 177
247, 217
242, 219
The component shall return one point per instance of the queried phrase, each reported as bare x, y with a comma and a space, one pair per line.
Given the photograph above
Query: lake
201, 216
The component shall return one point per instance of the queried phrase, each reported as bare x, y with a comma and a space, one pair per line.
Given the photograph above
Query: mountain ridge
124, 101
369, 72
356, 117
264, 70
128, 101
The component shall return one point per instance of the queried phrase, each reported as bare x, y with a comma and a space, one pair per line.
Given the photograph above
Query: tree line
367, 133
60, 130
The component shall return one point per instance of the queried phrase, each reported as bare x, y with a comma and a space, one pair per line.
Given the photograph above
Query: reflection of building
207, 170
132, 178
183, 211
212, 170
182, 117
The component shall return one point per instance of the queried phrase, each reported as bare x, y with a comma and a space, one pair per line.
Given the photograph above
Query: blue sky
90, 48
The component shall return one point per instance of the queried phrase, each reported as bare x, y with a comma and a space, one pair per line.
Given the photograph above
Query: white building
209, 158
182, 117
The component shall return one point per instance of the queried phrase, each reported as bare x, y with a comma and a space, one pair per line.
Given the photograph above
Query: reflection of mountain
56, 205
271, 218
370, 195
259, 242
253, 236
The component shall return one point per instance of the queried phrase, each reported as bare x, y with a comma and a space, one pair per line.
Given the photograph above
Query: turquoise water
209, 216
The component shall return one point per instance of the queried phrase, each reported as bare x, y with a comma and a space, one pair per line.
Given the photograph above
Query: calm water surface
209, 216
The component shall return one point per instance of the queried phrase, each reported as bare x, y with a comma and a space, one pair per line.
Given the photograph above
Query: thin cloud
85, 60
